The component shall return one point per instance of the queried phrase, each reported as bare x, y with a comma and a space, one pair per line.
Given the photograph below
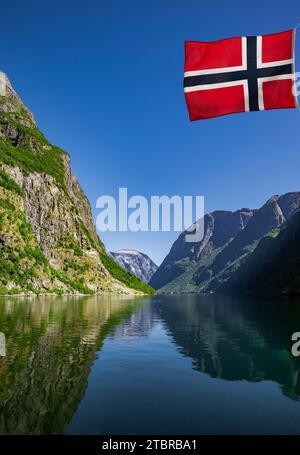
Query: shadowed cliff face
229, 240
274, 266
51, 346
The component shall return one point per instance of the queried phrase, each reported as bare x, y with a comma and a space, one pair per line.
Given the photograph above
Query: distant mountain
229, 240
135, 262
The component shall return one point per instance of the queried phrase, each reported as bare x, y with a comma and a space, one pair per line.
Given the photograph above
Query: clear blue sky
104, 81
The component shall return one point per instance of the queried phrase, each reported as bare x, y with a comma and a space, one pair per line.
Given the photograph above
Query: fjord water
161, 365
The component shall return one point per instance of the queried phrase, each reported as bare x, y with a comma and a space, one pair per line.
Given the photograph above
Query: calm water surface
161, 365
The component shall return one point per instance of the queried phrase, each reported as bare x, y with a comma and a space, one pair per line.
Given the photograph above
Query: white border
226, 69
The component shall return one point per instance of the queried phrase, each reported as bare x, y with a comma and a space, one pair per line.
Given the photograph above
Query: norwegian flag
252, 73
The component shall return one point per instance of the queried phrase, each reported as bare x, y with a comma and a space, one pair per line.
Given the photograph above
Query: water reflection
139, 323
51, 345
59, 376
236, 339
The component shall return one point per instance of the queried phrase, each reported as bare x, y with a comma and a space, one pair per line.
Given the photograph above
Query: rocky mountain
48, 242
229, 240
137, 263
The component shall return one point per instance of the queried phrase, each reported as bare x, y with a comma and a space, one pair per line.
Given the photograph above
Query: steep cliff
48, 242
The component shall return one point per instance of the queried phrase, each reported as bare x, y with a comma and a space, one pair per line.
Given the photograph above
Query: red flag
242, 74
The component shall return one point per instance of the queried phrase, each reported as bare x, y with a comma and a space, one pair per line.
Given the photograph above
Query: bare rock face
135, 262
49, 242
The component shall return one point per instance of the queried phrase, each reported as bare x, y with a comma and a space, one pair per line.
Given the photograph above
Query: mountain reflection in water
102, 364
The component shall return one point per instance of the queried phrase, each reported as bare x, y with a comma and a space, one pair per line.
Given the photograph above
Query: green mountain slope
48, 242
